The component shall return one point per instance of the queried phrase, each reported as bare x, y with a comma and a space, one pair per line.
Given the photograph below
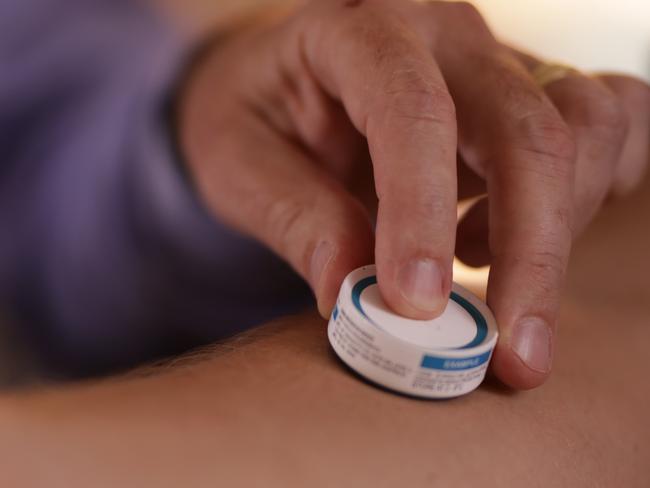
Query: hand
297, 129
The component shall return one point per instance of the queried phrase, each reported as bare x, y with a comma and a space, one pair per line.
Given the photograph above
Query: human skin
306, 128
276, 408
197, 19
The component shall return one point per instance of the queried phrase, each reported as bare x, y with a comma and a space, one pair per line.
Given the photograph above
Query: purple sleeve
106, 255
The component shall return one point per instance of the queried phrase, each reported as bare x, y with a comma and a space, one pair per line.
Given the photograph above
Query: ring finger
599, 123
511, 133
598, 110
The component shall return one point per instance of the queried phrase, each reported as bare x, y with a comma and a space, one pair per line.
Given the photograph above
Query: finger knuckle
468, 12
411, 96
546, 137
428, 200
546, 269
606, 114
380, 34
283, 220
467, 15
429, 206
562, 219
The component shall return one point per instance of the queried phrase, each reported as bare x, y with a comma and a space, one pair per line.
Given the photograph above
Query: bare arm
275, 408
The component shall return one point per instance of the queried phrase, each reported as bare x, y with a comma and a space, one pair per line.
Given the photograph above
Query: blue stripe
358, 289
481, 324
456, 364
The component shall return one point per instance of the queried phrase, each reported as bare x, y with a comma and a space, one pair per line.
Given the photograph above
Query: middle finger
511, 133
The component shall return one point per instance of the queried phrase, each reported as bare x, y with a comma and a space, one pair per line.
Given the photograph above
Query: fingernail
532, 342
322, 255
420, 282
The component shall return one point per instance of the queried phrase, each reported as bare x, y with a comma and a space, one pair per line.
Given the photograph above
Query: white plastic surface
441, 358
454, 328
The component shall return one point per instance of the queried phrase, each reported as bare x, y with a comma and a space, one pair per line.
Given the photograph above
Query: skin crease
336, 117
275, 408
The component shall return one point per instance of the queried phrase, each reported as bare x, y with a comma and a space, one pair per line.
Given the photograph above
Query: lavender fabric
106, 256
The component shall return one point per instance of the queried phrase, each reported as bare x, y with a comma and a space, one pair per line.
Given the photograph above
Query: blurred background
593, 35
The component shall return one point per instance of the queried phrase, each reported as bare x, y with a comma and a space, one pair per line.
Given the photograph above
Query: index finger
395, 94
